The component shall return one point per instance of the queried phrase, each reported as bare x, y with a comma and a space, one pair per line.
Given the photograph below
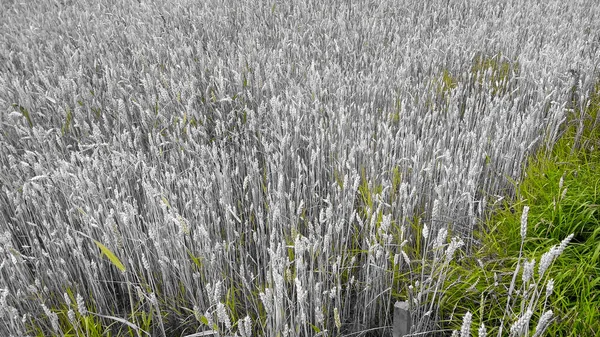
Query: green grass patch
496, 69
562, 189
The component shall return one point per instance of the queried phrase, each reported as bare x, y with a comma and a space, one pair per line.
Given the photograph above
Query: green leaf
166, 202
68, 120
25, 113
121, 320
196, 260
111, 256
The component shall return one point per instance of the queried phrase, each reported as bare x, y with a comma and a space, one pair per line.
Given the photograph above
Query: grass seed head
543, 323
518, 328
528, 270
482, 332
465, 330
81, 305
222, 315
524, 222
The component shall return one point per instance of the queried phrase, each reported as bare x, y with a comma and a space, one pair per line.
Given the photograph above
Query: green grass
498, 70
562, 189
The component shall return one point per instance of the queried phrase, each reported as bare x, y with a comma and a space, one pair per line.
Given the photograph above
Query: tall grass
561, 188
264, 168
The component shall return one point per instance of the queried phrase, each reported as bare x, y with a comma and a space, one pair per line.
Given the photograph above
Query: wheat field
265, 168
